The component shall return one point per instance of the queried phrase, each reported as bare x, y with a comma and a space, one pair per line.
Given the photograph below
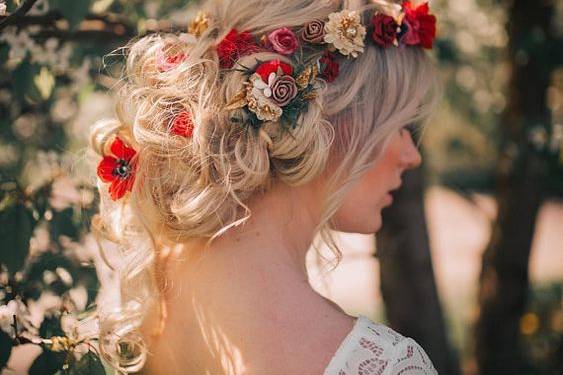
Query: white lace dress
375, 349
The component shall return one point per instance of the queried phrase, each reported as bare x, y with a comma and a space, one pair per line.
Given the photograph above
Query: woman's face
361, 209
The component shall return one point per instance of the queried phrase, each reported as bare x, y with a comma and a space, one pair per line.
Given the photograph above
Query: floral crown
279, 91
276, 90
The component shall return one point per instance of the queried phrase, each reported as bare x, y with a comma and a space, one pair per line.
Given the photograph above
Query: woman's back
228, 320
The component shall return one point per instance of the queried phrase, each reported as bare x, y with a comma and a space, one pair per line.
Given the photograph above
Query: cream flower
345, 32
257, 99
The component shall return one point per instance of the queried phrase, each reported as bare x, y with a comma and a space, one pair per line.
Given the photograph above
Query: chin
369, 226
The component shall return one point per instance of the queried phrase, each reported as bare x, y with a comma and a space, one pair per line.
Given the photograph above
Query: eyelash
410, 128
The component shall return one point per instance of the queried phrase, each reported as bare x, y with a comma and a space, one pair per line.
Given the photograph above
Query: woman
235, 148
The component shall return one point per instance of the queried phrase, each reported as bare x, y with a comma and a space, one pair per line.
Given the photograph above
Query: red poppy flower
182, 124
118, 169
421, 26
272, 66
234, 46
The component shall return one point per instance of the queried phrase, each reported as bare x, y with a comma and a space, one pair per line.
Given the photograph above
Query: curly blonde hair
196, 187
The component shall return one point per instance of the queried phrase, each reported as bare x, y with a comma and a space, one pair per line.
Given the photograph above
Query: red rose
283, 41
384, 29
272, 66
421, 26
182, 124
234, 46
118, 169
329, 67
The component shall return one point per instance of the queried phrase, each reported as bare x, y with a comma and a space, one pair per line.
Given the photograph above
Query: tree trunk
407, 279
503, 281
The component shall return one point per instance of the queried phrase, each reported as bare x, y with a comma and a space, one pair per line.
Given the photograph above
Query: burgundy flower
273, 66
234, 46
329, 67
182, 124
118, 169
284, 90
283, 41
313, 32
384, 29
420, 25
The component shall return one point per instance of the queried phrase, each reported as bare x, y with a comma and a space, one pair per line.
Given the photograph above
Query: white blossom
64, 193
258, 102
19, 43
13, 308
79, 297
345, 32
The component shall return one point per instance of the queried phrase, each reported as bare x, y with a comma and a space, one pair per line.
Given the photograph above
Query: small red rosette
165, 62
234, 46
182, 124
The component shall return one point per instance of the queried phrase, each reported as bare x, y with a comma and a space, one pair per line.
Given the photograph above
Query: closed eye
414, 130
411, 128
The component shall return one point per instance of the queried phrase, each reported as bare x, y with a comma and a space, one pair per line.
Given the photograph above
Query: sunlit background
55, 82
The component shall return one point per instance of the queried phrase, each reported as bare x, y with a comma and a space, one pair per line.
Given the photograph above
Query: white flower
345, 32
257, 95
265, 88
13, 308
20, 43
64, 194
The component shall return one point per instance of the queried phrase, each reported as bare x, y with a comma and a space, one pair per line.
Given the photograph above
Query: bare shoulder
311, 341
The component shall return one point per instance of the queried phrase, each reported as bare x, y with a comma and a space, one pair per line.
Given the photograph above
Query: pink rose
313, 32
284, 90
283, 41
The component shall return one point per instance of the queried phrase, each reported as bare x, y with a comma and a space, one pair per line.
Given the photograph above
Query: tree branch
19, 13
94, 26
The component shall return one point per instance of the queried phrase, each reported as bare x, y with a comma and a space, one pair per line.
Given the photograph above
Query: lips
396, 187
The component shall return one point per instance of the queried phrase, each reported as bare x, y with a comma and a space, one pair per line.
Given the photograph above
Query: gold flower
198, 25
308, 75
238, 101
345, 32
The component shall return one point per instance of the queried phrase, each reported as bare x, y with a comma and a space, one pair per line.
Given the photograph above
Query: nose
410, 157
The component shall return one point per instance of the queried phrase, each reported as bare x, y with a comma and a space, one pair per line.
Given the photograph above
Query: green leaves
23, 76
73, 11
47, 363
16, 228
89, 364
5, 348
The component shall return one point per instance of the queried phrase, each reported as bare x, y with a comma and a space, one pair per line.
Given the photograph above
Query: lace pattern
375, 349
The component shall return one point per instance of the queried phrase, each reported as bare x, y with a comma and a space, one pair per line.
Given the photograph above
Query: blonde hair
196, 187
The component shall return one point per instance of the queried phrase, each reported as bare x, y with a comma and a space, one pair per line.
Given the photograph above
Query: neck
276, 237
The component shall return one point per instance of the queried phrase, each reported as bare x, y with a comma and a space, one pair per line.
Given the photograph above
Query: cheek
360, 211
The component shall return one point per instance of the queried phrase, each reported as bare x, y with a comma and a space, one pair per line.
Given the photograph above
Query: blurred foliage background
59, 58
